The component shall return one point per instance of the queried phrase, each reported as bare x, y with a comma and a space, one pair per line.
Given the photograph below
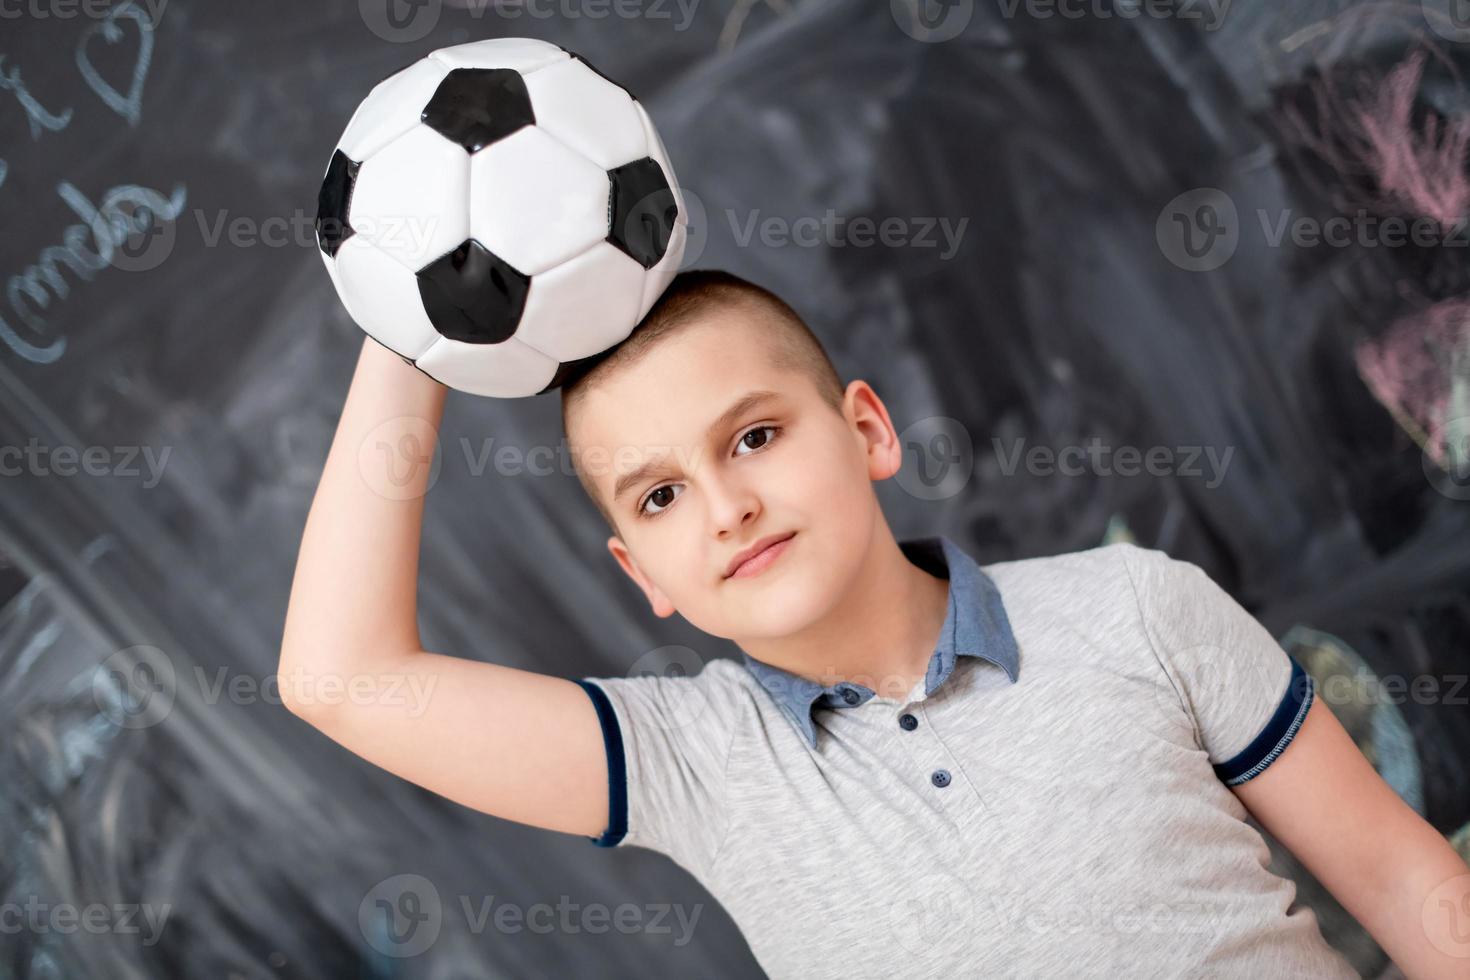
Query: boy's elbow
291, 701
315, 681
291, 674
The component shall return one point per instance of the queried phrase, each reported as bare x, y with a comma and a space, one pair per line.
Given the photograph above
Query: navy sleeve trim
1278, 733
617, 773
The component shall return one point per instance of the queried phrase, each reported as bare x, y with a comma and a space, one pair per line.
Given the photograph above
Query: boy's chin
786, 608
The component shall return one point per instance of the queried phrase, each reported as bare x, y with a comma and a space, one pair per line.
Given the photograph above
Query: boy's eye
744, 440
661, 497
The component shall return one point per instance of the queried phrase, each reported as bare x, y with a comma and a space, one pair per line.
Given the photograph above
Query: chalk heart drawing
129, 106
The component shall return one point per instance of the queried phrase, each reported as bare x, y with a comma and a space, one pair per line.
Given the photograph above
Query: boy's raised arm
356, 573
520, 745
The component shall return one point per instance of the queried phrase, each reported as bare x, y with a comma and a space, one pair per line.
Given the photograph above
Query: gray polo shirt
1051, 800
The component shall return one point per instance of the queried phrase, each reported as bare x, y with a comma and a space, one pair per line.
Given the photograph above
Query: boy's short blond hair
690, 296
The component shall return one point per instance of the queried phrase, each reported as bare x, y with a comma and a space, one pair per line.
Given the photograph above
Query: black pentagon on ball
643, 211
333, 202
474, 107
472, 295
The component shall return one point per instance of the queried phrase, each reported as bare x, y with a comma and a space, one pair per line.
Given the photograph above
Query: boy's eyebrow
741, 405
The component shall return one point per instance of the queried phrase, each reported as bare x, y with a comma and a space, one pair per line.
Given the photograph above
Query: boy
1033, 768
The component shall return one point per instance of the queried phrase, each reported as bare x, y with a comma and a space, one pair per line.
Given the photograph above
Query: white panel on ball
409, 199
385, 297
583, 306
524, 54
331, 264
536, 203
392, 108
587, 113
509, 369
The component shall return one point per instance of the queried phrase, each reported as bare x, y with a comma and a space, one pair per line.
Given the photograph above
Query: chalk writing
129, 106
124, 210
114, 226
38, 116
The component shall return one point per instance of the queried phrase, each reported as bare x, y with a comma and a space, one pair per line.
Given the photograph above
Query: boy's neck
882, 634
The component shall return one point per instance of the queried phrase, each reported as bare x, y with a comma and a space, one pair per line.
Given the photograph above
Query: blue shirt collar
975, 625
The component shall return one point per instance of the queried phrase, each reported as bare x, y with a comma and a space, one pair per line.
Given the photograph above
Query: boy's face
721, 482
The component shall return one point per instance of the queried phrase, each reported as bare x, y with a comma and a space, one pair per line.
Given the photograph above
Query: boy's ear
662, 607
879, 440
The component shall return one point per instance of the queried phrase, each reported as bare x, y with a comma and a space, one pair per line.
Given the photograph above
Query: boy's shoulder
689, 691
1104, 573
1112, 553
1112, 588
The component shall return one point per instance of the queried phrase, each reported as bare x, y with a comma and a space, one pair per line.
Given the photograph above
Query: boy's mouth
758, 556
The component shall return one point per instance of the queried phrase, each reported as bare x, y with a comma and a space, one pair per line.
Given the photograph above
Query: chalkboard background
173, 360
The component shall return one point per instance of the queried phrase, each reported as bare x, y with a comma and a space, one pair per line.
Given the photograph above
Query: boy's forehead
664, 409
676, 388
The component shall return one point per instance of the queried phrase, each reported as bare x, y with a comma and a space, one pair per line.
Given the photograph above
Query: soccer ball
499, 214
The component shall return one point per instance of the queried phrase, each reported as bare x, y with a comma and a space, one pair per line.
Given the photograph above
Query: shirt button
907, 722
940, 778
851, 696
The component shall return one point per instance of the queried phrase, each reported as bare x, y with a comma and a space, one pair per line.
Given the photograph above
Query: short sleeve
1245, 695
668, 744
